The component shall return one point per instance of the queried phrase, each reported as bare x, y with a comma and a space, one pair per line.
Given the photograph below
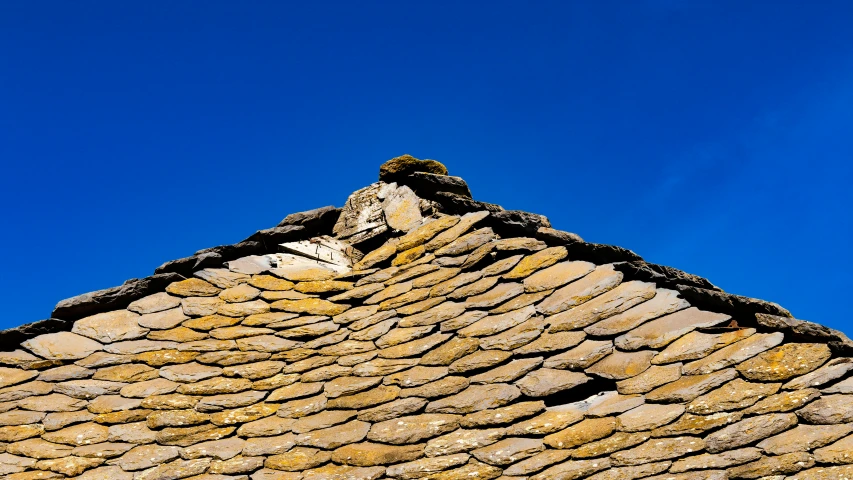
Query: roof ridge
438, 194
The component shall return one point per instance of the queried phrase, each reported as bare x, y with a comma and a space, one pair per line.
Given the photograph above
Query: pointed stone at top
405, 165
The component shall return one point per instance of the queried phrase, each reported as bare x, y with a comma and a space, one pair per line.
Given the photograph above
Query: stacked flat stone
448, 352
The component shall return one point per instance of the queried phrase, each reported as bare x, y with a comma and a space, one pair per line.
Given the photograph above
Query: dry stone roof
418, 333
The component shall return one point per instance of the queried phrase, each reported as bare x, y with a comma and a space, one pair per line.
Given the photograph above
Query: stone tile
547, 381
552, 420
310, 306
556, 276
783, 402
427, 466
334, 437
698, 345
719, 460
537, 462
62, 346
509, 450
374, 396
448, 286
657, 450
829, 410
475, 398
439, 388
474, 288
337, 472
239, 293
582, 356
493, 324
748, 431
609, 303
465, 243
838, 452
664, 302
349, 385
516, 336
573, 470
369, 454
193, 287
412, 429
734, 354
599, 281
394, 409
508, 372
462, 321
581, 433
803, 438
783, 464
154, 303
664, 330
434, 315
689, 387
612, 403
830, 371
690, 424
473, 469
631, 473
416, 347
785, 361
621, 365
551, 342
298, 459
537, 261
614, 443
735, 395
502, 415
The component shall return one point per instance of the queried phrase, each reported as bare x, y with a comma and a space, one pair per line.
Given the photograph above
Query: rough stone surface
396, 339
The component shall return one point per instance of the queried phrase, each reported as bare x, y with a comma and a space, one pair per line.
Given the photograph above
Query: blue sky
716, 137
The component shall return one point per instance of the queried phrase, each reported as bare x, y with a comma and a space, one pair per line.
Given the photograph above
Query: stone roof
418, 333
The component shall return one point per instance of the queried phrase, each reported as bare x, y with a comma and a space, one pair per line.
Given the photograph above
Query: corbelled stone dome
418, 333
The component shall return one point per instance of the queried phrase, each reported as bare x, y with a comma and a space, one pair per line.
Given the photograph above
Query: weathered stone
824, 473
520, 301
416, 376
338, 472
371, 454
298, 459
334, 437
621, 365
391, 410
375, 396
146, 456
322, 420
87, 389
18, 433
663, 331
502, 415
749, 430
154, 303
689, 387
437, 314
734, 354
243, 415
462, 321
266, 427
243, 309
782, 464
586, 431
57, 420
465, 243
13, 376
537, 261
609, 303
38, 448
657, 450
803, 438
349, 385
614, 443
551, 342
582, 356
664, 302
735, 395
302, 407
448, 286
310, 306
573, 470
475, 398
508, 372
697, 345
210, 322
383, 366
537, 462
599, 281
612, 403
553, 420
783, 402
839, 452
412, 429
200, 306
829, 410
547, 381
785, 361
720, 460
411, 296
509, 450
439, 388
690, 424
633, 472
62, 346
193, 287
474, 288
493, 324
832, 370
426, 466
413, 348
398, 336
265, 343
408, 256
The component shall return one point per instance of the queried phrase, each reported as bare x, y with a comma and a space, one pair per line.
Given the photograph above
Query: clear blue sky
716, 137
